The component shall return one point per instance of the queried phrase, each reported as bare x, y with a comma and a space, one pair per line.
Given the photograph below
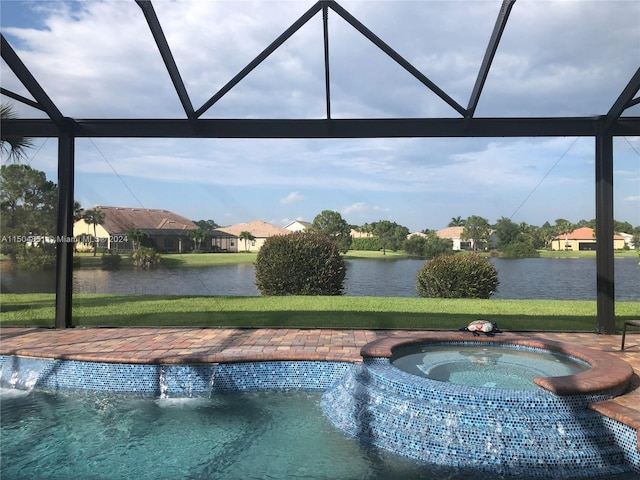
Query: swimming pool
276, 435
266, 416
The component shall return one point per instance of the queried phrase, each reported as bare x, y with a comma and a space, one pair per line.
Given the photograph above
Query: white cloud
362, 207
98, 59
293, 197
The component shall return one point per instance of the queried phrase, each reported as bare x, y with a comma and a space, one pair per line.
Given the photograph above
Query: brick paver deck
204, 345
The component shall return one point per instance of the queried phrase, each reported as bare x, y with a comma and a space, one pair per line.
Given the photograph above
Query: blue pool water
275, 435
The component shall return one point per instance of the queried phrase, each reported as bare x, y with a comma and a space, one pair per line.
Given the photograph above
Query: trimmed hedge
457, 276
300, 264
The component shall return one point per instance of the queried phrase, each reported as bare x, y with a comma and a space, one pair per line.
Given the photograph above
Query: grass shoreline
198, 260
122, 310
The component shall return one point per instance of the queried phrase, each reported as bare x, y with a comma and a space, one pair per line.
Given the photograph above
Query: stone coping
607, 372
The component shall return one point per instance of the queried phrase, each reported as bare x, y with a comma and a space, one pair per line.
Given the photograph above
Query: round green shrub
300, 264
457, 276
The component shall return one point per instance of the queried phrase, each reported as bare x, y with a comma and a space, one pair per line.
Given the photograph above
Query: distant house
298, 226
356, 234
582, 239
455, 235
259, 229
628, 240
169, 232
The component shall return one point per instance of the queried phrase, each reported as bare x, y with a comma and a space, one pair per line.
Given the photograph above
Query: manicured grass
312, 312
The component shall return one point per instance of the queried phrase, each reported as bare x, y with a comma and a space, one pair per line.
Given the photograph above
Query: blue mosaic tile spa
485, 429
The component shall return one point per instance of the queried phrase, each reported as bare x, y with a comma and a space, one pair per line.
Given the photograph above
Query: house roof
299, 222
418, 234
258, 229
450, 232
123, 219
583, 233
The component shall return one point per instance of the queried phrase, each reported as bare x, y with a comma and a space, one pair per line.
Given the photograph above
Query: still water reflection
529, 278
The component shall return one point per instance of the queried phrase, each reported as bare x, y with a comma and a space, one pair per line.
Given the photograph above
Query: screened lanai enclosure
465, 70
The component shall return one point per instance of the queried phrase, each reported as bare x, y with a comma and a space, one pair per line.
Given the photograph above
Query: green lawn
299, 311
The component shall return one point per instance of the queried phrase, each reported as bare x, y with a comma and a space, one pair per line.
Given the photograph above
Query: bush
521, 248
371, 244
145, 257
457, 276
300, 264
429, 246
36, 258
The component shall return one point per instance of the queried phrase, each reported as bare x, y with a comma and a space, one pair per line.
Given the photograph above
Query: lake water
529, 278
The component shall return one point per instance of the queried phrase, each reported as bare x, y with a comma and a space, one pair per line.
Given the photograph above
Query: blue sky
98, 59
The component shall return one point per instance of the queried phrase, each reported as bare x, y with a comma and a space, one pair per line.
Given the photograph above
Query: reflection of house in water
167, 231
582, 239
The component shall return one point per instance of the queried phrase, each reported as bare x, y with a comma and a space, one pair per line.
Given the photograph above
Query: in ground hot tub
541, 427
482, 365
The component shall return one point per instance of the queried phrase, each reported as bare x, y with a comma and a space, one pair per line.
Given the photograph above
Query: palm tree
457, 222
246, 236
11, 145
137, 237
198, 236
95, 217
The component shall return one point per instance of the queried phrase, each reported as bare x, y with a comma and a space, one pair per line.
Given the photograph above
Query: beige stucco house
582, 239
259, 229
454, 234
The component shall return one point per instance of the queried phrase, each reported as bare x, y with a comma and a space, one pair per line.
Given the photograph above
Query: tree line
28, 207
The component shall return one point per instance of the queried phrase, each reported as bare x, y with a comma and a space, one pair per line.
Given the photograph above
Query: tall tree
95, 217
330, 224
28, 203
206, 224
476, 229
12, 146
507, 231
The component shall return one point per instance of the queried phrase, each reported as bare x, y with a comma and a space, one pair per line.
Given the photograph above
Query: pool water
275, 435
492, 366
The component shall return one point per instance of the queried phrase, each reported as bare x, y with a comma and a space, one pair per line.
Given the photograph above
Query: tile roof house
582, 239
259, 229
168, 231
455, 235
